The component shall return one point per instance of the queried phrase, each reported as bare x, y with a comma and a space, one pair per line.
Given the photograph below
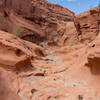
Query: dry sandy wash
32, 73
48, 53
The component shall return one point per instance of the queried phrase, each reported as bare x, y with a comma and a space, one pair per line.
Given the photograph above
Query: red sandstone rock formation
31, 17
7, 91
16, 57
88, 24
84, 28
37, 10
31, 72
16, 54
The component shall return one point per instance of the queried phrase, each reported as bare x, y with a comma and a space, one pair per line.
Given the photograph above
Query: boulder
93, 57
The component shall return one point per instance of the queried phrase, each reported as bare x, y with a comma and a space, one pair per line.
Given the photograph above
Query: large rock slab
16, 54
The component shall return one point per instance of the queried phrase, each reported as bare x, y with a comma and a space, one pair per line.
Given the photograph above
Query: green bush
80, 97
17, 30
67, 20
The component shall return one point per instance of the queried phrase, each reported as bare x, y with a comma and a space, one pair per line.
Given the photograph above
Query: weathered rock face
16, 58
94, 56
68, 34
94, 61
61, 73
32, 18
87, 24
51, 12
7, 91
16, 54
37, 10
38, 21
83, 28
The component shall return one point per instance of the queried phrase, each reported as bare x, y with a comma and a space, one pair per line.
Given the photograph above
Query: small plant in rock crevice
67, 20
17, 30
80, 97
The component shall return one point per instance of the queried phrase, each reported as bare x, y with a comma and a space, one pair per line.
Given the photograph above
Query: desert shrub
67, 20
80, 97
17, 30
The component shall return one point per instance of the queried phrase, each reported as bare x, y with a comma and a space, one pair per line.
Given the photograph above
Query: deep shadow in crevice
94, 65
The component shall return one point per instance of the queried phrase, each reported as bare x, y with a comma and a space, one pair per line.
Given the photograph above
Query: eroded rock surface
7, 90
63, 64
29, 19
88, 23
15, 53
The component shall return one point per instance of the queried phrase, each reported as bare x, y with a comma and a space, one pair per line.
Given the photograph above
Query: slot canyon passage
48, 53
